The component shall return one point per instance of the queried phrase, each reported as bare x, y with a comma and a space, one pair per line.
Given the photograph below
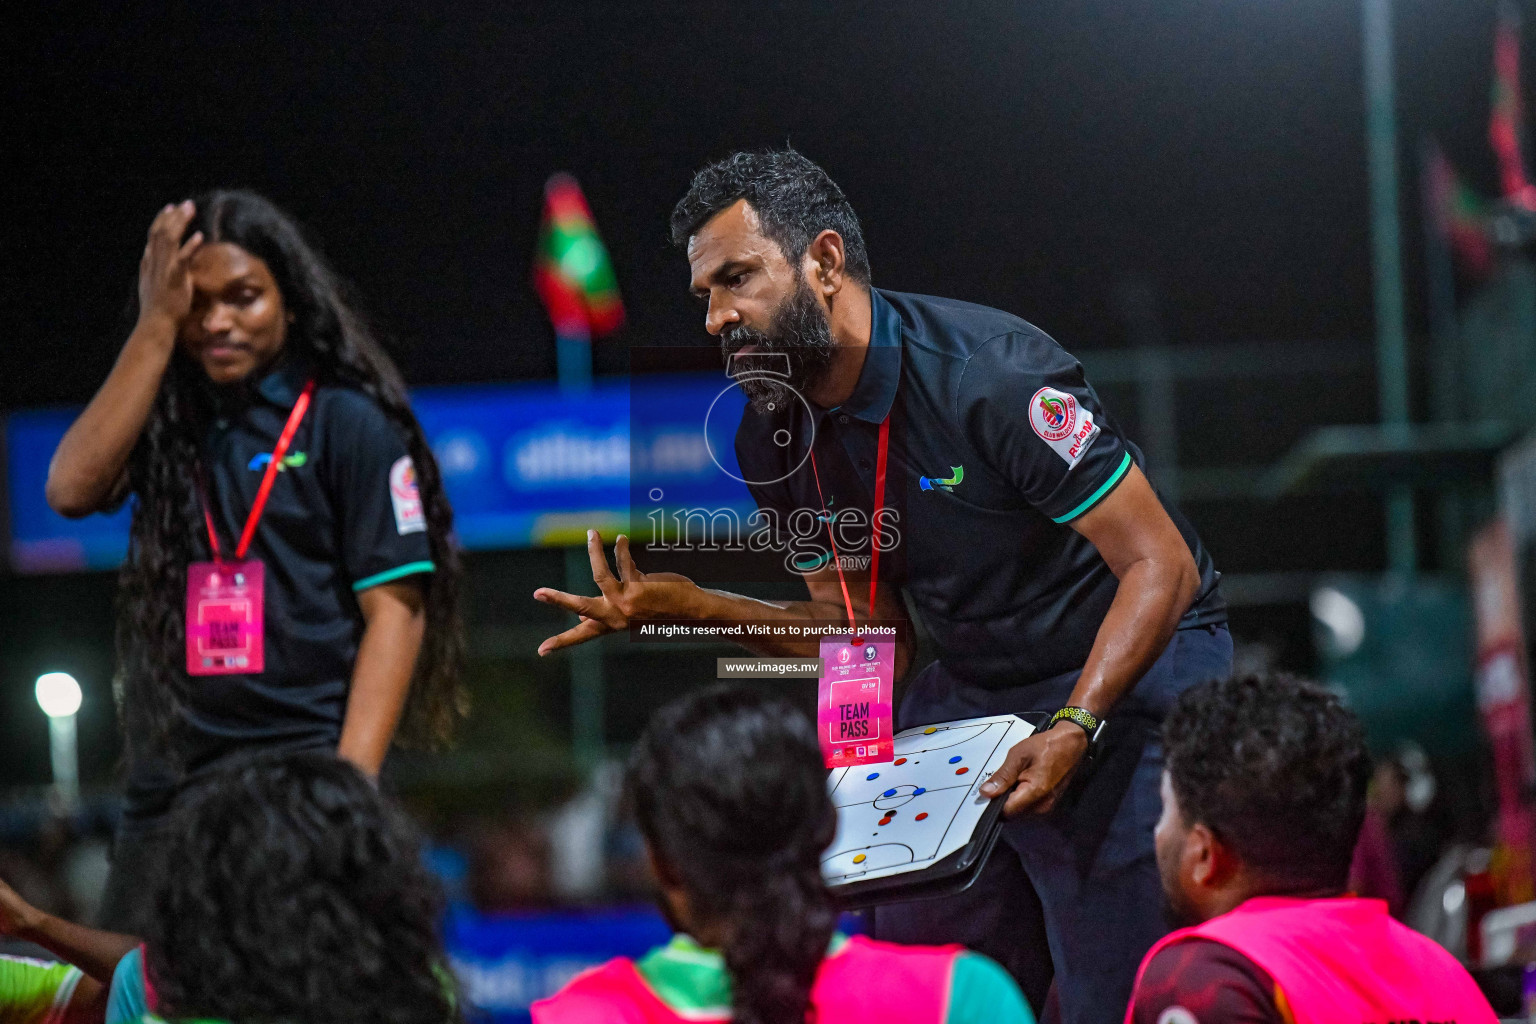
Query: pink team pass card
853, 713
224, 618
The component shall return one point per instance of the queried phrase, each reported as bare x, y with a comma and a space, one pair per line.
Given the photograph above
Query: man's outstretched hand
632, 595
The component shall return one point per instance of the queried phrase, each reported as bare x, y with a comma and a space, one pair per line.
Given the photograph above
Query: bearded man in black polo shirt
1051, 576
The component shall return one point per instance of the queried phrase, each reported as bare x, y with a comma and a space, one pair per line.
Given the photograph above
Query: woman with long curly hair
730, 794
290, 581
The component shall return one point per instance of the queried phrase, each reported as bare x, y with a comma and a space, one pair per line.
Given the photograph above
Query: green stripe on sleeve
58, 1013
35, 991
408, 569
981, 992
810, 562
1093, 499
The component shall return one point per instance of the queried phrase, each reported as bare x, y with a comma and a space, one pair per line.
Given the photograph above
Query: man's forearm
394, 627
94, 450
94, 952
635, 597
1141, 620
381, 682
722, 606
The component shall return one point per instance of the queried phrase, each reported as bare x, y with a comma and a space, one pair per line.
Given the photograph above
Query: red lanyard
874, 522
265, 490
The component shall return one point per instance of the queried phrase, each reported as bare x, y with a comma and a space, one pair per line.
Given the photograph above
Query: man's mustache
735, 340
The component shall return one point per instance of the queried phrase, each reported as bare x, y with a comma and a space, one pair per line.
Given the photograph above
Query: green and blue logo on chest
929, 483
293, 461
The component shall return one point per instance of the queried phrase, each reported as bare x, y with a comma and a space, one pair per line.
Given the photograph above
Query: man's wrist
688, 601
30, 923
157, 327
1072, 735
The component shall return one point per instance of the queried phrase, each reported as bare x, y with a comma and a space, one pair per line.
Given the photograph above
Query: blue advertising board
506, 961
41, 539
524, 464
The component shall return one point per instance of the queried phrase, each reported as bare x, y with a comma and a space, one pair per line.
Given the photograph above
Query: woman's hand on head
165, 280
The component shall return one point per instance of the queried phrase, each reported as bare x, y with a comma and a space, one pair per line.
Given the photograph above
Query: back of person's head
794, 199
295, 892
730, 791
1276, 767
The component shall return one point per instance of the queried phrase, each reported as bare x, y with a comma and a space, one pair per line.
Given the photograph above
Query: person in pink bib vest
1263, 795
730, 793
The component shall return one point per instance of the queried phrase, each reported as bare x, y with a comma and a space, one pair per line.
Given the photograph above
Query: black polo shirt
997, 444
343, 516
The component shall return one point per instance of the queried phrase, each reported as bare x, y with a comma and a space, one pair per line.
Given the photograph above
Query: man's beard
1177, 913
799, 331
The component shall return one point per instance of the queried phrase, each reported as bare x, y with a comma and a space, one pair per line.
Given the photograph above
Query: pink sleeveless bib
1343, 961
866, 982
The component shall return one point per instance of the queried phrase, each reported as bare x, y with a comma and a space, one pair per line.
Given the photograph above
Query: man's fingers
1006, 775
1029, 794
1049, 801
173, 220
166, 229
589, 629
628, 571
601, 574
154, 239
185, 252
583, 606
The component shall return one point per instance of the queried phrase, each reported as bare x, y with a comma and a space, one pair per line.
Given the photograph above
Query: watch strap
1080, 717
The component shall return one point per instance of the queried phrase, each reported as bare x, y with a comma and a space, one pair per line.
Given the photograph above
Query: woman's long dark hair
730, 792
297, 892
326, 330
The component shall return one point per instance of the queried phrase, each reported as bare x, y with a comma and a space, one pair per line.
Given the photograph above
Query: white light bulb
58, 694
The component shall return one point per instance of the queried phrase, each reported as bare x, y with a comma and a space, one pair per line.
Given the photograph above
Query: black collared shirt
997, 444
343, 516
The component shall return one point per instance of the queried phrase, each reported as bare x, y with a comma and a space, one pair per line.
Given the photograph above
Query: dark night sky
1024, 154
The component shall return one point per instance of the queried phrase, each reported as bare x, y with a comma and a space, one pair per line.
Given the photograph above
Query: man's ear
824, 257
1210, 862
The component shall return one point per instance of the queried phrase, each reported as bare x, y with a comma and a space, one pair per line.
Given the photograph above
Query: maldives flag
1506, 122
1460, 215
572, 271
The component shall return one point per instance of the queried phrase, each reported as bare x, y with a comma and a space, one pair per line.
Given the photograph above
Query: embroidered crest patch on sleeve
1062, 423
406, 497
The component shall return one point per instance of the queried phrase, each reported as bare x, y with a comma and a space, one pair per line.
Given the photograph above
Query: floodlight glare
58, 694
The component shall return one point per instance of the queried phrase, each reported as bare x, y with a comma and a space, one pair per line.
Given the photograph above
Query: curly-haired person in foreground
1263, 795
298, 893
730, 794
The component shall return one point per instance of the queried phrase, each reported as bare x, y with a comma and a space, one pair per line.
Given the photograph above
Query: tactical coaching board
918, 822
